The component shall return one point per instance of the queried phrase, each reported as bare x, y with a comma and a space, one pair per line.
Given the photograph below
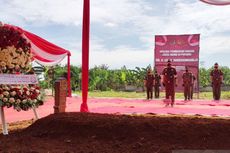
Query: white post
35, 113
4, 125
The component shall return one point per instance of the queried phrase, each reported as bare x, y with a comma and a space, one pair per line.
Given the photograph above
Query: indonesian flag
44, 52
217, 2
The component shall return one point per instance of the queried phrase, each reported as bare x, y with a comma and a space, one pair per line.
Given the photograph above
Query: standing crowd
168, 78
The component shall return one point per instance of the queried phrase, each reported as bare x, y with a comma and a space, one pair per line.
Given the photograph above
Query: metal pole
35, 113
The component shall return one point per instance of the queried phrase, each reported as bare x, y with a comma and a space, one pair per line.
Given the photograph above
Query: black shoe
166, 105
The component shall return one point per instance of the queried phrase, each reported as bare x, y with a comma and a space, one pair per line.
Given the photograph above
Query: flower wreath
15, 58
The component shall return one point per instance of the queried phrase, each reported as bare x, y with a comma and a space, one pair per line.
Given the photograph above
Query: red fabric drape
44, 44
85, 54
217, 2
45, 52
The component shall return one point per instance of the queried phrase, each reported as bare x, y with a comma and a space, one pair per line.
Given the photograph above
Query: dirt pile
103, 133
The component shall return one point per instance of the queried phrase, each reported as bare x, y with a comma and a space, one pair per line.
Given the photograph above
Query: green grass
122, 94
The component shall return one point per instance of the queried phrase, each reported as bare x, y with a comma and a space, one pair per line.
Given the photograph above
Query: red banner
182, 50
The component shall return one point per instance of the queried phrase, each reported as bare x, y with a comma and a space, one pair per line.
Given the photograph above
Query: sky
122, 31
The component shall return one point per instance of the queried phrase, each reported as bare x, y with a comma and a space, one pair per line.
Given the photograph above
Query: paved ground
128, 106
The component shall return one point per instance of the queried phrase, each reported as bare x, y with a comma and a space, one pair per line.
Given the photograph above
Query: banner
18, 79
182, 50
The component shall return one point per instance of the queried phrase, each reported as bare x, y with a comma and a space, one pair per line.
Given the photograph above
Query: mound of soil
104, 133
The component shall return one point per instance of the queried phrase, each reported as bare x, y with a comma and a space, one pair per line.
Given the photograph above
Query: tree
98, 77
140, 74
226, 72
102, 78
204, 77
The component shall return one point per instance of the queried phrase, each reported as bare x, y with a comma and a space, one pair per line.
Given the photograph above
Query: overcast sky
122, 31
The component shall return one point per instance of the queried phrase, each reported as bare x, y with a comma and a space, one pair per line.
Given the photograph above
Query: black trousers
216, 89
149, 92
191, 90
157, 91
187, 92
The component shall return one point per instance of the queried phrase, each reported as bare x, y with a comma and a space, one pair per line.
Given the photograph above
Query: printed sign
182, 51
18, 79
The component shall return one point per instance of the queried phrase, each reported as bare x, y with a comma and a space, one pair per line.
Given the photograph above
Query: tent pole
69, 78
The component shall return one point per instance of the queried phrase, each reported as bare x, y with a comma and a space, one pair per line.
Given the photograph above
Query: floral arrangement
21, 97
14, 51
15, 58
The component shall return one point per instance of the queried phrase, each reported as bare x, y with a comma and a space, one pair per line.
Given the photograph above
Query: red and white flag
217, 2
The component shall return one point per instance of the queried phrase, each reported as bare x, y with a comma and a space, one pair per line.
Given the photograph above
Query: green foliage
75, 77
101, 78
226, 72
98, 78
204, 77
43, 84
139, 75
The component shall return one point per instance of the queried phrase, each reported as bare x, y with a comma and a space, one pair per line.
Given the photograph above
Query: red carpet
128, 106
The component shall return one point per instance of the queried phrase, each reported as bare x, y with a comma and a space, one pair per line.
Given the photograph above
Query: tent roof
44, 52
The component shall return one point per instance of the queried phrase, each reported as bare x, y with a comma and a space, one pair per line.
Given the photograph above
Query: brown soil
103, 133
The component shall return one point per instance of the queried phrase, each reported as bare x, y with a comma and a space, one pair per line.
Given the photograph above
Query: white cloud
116, 58
212, 22
144, 19
110, 24
122, 56
70, 11
215, 44
43, 11
183, 18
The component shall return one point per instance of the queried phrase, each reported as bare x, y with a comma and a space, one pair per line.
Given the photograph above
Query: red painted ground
128, 106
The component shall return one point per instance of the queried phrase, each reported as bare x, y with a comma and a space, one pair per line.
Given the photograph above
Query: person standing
187, 81
169, 81
157, 84
149, 82
216, 77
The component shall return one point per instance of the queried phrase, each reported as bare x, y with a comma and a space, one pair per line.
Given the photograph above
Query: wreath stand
16, 79
4, 125
3, 120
